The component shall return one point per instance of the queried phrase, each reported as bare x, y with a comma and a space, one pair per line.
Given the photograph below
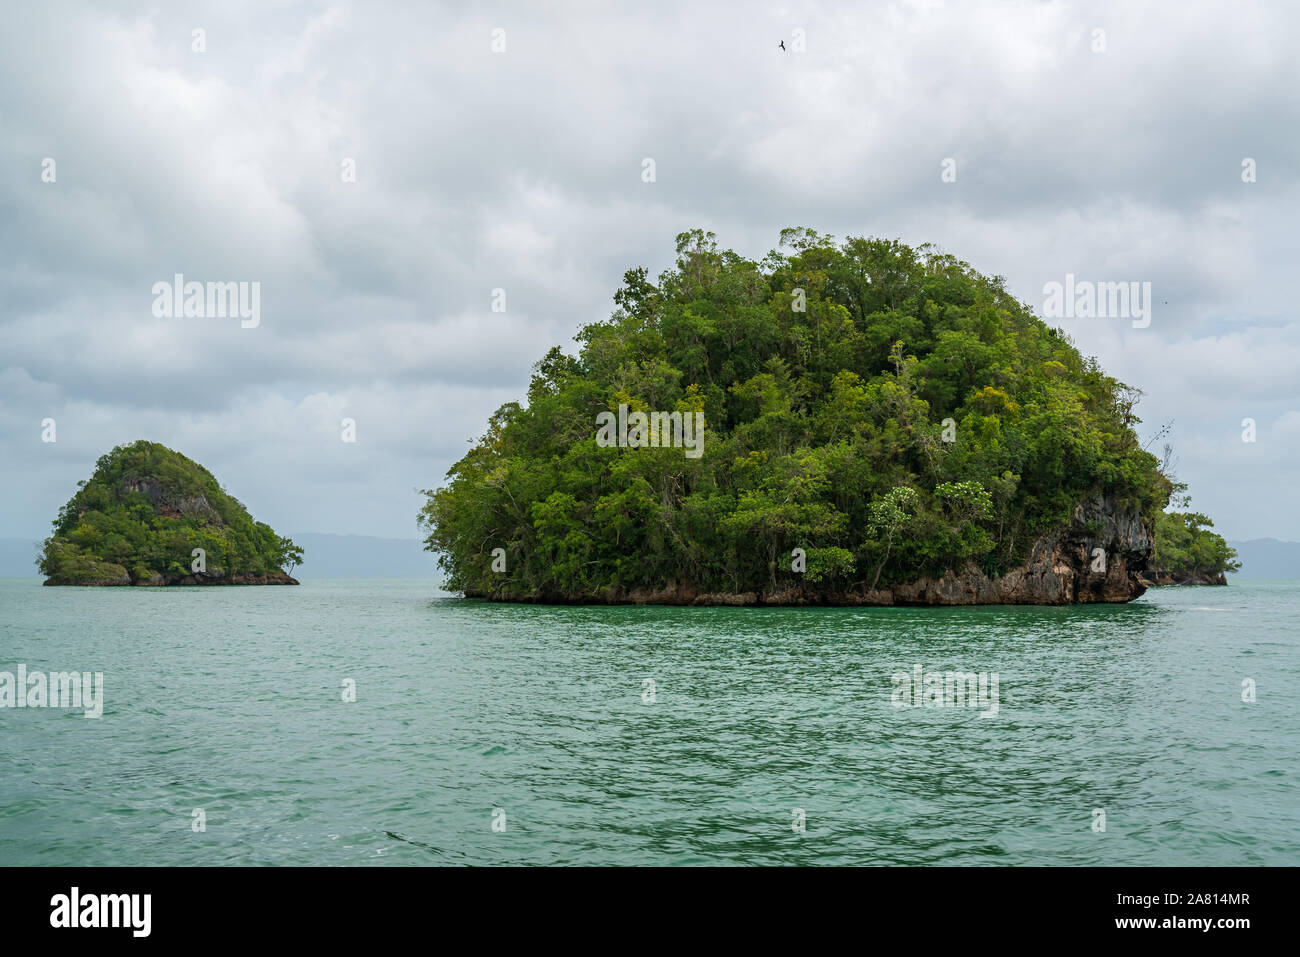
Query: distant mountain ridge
1267, 558
364, 556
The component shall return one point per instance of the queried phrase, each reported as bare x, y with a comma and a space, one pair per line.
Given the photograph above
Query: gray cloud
521, 171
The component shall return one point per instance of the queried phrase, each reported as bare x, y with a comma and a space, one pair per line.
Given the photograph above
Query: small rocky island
151, 516
1187, 552
874, 424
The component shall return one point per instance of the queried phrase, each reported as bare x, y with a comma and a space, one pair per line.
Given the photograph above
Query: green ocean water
230, 700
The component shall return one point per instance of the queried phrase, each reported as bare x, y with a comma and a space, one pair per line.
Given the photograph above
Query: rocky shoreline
114, 580
1162, 579
1063, 568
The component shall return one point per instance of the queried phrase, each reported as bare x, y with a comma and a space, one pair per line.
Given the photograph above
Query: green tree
889, 516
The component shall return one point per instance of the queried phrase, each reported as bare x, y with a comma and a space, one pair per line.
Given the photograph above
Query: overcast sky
522, 170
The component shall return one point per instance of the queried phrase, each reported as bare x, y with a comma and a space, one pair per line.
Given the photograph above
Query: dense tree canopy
1186, 549
144, 510
886, 409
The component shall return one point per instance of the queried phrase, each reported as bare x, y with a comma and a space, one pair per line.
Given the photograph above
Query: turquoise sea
542, 721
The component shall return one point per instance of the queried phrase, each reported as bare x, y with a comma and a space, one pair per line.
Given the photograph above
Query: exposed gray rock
169, 502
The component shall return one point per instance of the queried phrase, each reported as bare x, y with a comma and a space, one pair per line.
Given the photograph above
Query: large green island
151, 516
881, 425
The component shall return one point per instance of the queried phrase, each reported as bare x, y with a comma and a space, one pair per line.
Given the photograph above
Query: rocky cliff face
1099, 556
170, 503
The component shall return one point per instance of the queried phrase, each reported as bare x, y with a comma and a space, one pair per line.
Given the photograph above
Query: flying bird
782, 44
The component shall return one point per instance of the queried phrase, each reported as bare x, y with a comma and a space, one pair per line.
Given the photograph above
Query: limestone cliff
1063, 567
